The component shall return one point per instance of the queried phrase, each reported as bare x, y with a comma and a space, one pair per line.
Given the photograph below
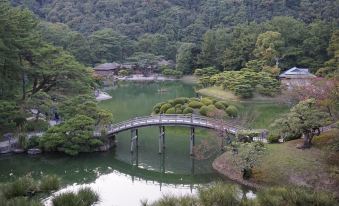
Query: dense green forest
47, 55
195, 33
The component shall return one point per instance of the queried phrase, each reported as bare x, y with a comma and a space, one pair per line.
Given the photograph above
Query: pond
122, 178
119, 177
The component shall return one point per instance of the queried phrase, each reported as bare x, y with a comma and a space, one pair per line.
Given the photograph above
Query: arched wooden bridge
191, 121
173, 120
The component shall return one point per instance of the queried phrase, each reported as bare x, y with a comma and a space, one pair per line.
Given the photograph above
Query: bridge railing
172, 119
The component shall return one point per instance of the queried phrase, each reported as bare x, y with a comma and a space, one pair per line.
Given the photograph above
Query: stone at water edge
34, 151
18, 150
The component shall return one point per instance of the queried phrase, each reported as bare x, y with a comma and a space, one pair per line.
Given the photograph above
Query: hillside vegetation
195, 33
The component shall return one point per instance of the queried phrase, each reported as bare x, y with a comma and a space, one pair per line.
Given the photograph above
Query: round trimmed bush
158, 106
244, 91
232, 111
203, 110
211, 108
178, 111
156, 110
195, 104
180, 100
219, 105
225, 104
188, 110
206, 101
171, 102
171, 111
178, 106
165, 107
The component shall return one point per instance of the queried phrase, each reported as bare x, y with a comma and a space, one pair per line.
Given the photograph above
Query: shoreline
222, 167
137, 77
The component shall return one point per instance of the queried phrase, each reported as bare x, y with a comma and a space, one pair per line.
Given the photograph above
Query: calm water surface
119, 177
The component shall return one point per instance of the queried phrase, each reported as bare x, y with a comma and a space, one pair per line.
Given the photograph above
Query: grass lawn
219, 93
258, 112
284, 164
259, 115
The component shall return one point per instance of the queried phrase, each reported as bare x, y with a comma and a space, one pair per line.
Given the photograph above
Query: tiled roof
297, 73
107, 66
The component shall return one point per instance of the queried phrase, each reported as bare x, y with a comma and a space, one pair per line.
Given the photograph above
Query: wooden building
296, 77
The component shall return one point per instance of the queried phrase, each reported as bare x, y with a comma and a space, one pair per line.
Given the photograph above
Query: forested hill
195, 33
183, 20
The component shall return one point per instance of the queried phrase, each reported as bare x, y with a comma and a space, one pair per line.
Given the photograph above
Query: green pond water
119, 177
122, 178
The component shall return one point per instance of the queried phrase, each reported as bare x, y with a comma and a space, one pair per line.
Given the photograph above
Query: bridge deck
173, 120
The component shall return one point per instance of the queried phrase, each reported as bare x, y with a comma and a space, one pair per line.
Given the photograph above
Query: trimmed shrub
156, 110
224, 103
206, 101
203, 110
165, 107
178, 111
219, 105
188, 110
171, 101
180, 100
244, 91
179, 106
273, 138
158, 106
232, 111
195, 104
171, 111
211, 108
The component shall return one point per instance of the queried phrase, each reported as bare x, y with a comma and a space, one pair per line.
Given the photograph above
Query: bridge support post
222, 143
192, 141
134, 139
161, 139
